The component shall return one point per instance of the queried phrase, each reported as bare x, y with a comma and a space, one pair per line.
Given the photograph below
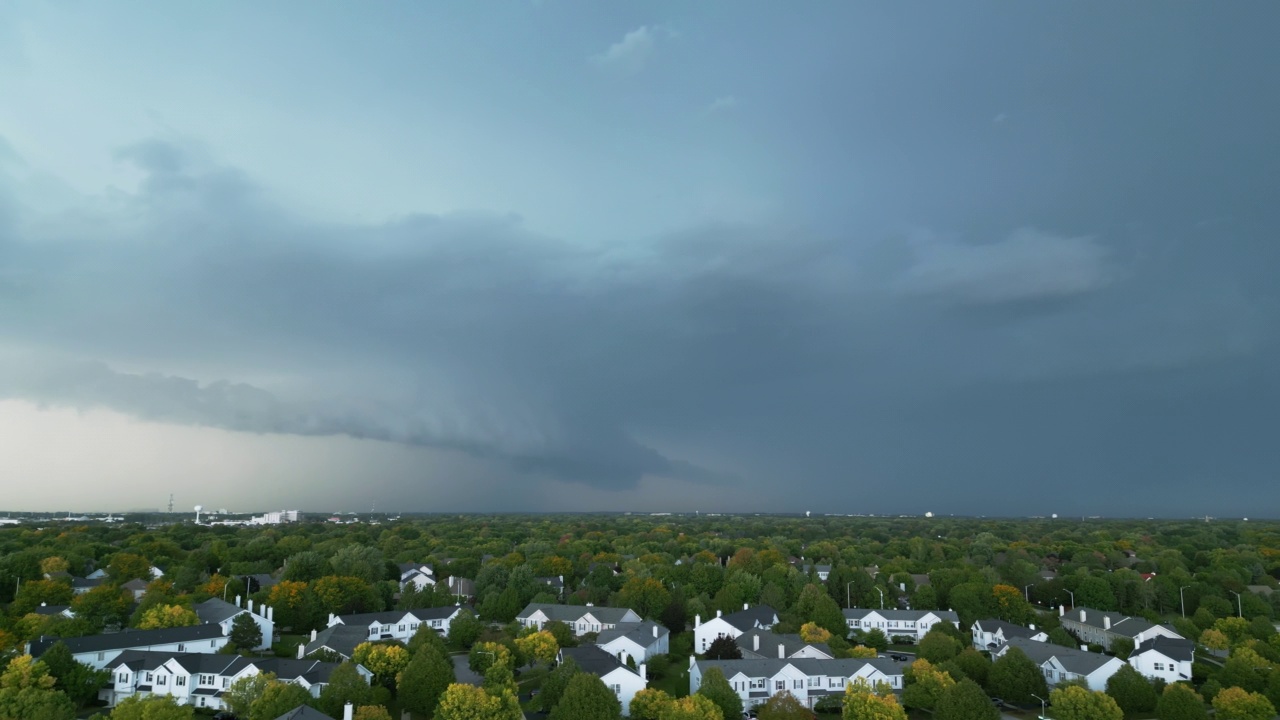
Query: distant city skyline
986, 259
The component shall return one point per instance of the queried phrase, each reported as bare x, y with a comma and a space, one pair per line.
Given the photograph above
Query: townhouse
991, 634
757, 643
582, 619
1101, 627
809, 679
398, 624
1166, 658
760, 617
622, 680
637, 641
1060, 664
912, 624
222, 613
97, 651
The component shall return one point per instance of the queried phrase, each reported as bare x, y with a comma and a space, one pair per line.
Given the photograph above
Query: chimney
782, 651
250, 604
348, 711
1106, 622
237, 601
1085, 648
655, 630
302, 649
1062, 610
697, 621
745, 606
1033, 626
755, 642
1082, 615
902, 587
331, 617
313, 636
717, 613
271, 613
644, 673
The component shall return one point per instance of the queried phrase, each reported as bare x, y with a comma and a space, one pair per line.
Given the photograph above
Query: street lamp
1073, 598
847, 602
1027, 591
1041, 705
1183, 599
881, 597
1239, 607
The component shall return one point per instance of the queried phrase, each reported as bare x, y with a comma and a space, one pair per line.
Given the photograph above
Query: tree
487, 653
965, 700
938, 647
646, 595
974, 665
587, 698
384, 660
554, 686
103, 605
358, 561
425, 638
371, 712
467, 702
245, 632
152, 707
346, 685
1059, 636
862, 651
648, 704
1077, 703
692, 707
1122, 647
1131, 691
80, 682
1237, 704
1016, 678
168, 616
538, 647
863, 703
925, 685
239, 698
1011, 605
1180, 702
783, 706
423, 681
814, 633
875, 638
561, 632
26, 693
723, 648
464, 630
719, 691
278, 698
128, 566
294, 602
345, 594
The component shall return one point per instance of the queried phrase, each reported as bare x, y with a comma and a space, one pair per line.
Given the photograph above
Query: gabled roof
87, 583
304, 712
768, 667
215, 610
1080, 662
1173, 648
769, 642
750, 617
387, 617
51, 609
1121, 624
1008, 629
135, 584
130, 639
342, 639
573, 613
594, 660
895, 614
641, 633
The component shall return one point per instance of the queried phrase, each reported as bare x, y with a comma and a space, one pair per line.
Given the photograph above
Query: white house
224, 614
1100, 627
990, 634
809, 679
97, 651
757, 643
913, 624
581, 618
622, 680
419, 575
399, 624
638, 641
200, 680
1060, 663
760, 617
1166, 658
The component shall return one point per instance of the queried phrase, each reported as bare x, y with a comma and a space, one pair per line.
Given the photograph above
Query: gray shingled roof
572, 613
215, 610
1080, 662
750, 617
594, 660
1011, 630
770, 641
1121, 624
129, 639
388, 617
768, 667
1172, 648
304, 712
640, 633
342, 639
893, 614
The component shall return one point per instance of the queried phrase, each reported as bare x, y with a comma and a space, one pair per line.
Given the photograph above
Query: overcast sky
981, 258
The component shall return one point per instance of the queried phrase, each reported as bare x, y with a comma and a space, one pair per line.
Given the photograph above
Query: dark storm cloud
935, 360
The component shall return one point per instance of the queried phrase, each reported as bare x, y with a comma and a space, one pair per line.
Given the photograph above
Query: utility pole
1239, 607
881, 597
1183, 599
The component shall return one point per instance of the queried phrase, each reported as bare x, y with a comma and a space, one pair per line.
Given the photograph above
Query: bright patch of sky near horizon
655, 256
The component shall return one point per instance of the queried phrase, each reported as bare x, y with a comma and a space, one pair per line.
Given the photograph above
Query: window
797, 684
102, 656
815, 682
180, 681
124, 678
163, 680
226, 683
206, 679
757, 683
1159, 666
182, 647
617, 689
779, 684
213, 643
148, 677
413, 626
401, 627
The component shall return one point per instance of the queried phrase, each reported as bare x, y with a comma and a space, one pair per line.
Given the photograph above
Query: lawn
288, 645
675, 680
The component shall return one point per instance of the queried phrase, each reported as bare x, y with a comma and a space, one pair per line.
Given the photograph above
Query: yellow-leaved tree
168, 616
814, 633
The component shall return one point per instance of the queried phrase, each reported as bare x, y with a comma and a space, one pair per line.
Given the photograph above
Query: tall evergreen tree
424, 680
587, 698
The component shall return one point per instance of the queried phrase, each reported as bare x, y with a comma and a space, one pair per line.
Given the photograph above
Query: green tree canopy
1131, 691
346, 685
278, 698
152, 707
717, 689
245, 632
965, 700
1180, 702
1016, 678
423, 681
783, 706
587, 698
1077, 703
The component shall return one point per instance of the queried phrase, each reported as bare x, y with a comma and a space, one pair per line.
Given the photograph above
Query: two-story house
419, 575
622, 680
201, 680
1101, 627
97, 651
222, 613
991, 634
912, 624
808, 679
1060, 663
760, 617
582, 619
399, 624
639, 641
757, 643
1166, 658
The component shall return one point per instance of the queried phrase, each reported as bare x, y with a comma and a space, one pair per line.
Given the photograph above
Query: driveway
462, 670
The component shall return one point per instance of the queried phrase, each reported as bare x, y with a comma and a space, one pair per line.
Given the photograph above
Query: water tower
198, 509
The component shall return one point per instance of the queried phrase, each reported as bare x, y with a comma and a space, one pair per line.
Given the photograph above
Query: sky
974, 258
